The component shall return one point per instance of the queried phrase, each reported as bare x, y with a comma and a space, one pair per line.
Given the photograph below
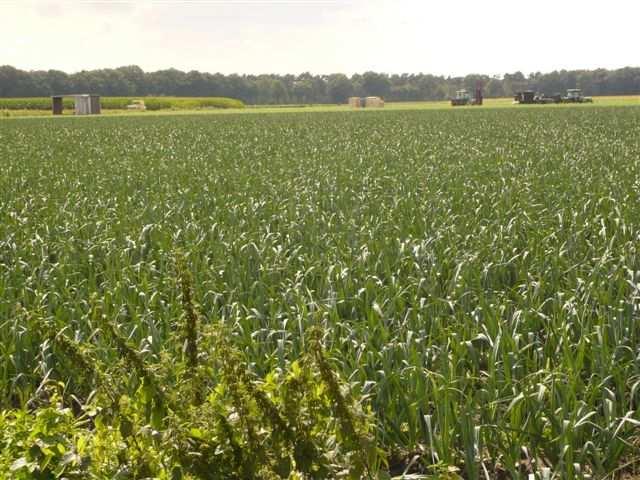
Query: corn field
329, 295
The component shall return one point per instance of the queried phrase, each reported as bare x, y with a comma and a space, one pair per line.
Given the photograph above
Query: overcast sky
452, 37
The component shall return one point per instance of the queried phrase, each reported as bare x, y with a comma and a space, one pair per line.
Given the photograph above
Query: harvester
529, 97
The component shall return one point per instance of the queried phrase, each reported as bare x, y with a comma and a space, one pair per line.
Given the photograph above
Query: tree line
307, 88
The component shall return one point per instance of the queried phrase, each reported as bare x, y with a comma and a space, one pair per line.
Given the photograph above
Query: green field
36, 107
438, 291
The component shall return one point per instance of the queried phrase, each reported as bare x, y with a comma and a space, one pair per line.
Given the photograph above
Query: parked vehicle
529, 97
574, 95
462, 98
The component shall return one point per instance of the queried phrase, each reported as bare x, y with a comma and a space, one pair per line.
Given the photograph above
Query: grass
184, 105
472, 275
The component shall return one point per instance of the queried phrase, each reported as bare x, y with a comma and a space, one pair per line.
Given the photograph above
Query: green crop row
120, 103
443, 291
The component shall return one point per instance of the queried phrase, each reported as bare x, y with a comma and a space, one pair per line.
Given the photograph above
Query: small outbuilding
84, 104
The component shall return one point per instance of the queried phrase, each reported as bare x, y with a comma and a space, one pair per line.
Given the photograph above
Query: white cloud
292, 36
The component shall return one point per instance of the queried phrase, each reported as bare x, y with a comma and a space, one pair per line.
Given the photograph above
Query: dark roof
67, 95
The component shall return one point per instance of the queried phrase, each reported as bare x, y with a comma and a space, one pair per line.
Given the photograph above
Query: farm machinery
574, 95
529, 97
463, 97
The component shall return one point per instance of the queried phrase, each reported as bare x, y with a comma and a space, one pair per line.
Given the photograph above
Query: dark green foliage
239, 426
306, 88
190, 314
230, 424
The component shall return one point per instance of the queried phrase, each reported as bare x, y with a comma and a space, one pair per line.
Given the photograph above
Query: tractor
463, 98
574, 95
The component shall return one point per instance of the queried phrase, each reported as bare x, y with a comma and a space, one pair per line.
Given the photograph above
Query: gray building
84, 104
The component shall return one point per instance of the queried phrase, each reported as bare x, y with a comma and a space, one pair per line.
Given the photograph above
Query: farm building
366, 102
84, 104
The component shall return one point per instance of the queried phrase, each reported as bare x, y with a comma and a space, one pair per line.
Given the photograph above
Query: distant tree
473, 81
320, 89
302, 89
376, 84
14, 82
196, 85
339, 88
85, 81
430, 87
58, 82
279, 94
515, 82
134, 77
307, 88
494, 88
